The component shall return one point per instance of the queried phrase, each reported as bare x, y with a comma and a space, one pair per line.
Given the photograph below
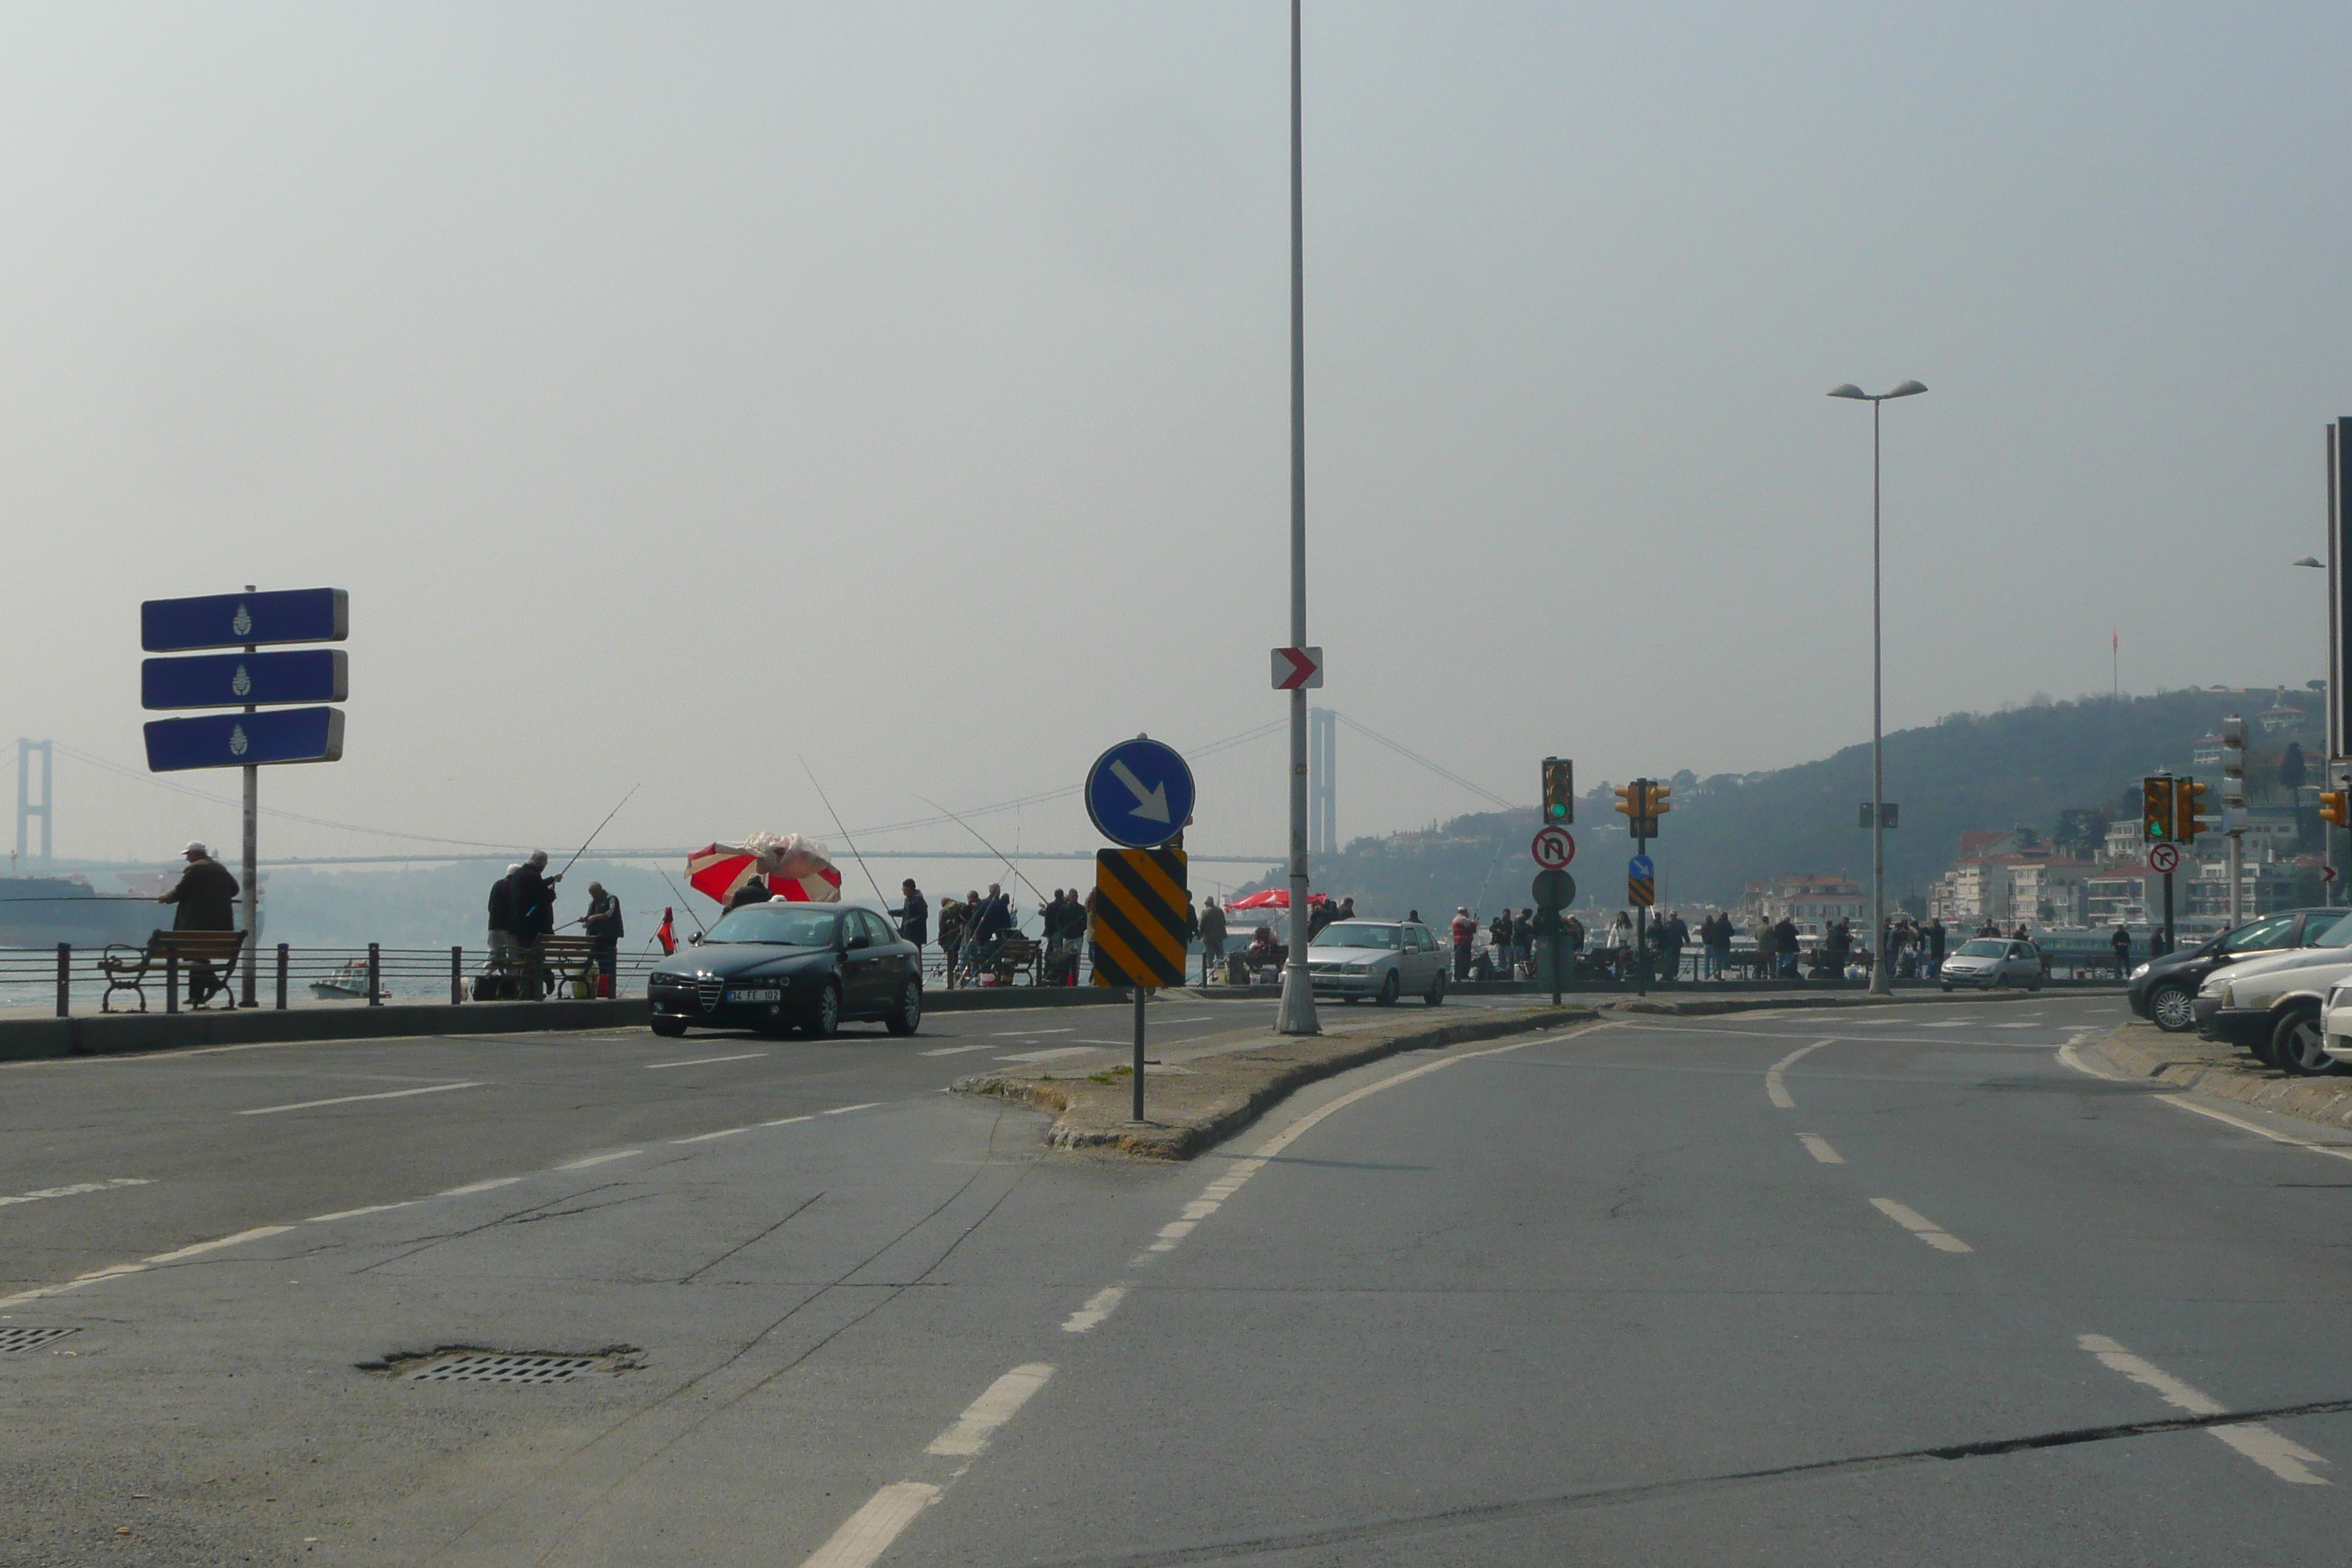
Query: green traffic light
1556, 810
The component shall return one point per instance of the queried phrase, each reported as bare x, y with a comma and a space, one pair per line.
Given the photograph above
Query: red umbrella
797, 869
1272, 899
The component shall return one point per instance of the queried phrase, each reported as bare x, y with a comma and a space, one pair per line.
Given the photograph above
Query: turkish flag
667, 935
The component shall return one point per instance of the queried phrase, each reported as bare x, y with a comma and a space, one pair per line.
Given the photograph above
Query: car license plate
756, 993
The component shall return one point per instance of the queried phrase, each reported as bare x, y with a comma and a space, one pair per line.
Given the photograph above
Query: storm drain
486, 1366
17, 1339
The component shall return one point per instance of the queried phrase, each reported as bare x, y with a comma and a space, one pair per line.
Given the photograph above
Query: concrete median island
2139, 1050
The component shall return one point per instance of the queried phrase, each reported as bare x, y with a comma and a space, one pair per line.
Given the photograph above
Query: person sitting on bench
206, 895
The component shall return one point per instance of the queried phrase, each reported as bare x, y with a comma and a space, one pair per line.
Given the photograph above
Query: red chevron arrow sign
1298, 667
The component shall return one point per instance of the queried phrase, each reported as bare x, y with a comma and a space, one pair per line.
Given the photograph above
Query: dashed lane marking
1029, 1033
1051, 1053
1920, 1225
846, 1109
997, 1404
354, 1213
1099, 1306
954, 1050
470, 1188
201, 1247
77, 1189
1819, 1148
704, 1061
1776, 1077
600, 1159
869, 1533
706, 1137
2272, 1450
355, 1099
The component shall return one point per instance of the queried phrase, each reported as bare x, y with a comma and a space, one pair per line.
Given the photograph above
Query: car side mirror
854, 943
695, 940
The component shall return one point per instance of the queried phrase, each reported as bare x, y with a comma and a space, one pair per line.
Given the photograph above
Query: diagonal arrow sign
1295, 668
1149, 804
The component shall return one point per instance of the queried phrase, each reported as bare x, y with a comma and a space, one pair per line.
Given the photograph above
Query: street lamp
1879, 983
1296, 1013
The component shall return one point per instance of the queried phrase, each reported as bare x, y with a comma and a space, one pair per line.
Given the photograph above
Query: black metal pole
1555, 923
1139, 1052
282, 957
458, 976
64, 979
375, 968
1642, 914
172, 981
2167, 911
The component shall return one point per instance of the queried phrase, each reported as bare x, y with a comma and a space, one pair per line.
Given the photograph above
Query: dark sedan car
2165, 989
776, 966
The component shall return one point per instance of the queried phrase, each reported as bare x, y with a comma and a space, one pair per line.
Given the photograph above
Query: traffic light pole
1641, 927
2167, 911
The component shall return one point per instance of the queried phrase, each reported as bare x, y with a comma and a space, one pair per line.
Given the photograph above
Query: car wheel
2173, 1008
1436, 996
1948, 988
909, 1016
1387, 998
2299, 1046
669, 1028
825, 1017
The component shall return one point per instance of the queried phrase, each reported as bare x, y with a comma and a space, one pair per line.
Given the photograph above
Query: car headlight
1355, 969
2142, 971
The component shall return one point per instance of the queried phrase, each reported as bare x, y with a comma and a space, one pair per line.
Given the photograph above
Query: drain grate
17, 1339
500, 1367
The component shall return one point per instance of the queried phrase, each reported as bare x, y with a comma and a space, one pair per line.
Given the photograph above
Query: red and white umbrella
797, 869
1272, 898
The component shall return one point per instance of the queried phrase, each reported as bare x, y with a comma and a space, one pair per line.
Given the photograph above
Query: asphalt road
1900, 1284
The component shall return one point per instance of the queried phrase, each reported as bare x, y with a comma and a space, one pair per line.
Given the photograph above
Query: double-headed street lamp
1879, 983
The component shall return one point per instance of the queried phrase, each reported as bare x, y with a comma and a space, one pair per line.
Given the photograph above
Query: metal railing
71, 978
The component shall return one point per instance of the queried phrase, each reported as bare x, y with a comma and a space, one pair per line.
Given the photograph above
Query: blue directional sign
1140, 794
1642, 868
240, 620
237, 679
246, 740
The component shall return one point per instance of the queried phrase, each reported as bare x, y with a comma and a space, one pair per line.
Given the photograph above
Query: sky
704, 399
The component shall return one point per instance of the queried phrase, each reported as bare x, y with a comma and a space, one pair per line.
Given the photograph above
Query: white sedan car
1379, 959
1989, 962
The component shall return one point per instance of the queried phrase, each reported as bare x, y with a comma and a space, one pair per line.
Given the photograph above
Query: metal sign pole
2167, 911
252, 858
1555, 923
1139, 1052
1296, 1013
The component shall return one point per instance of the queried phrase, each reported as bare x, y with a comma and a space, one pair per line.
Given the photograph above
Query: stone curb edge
2327, 1102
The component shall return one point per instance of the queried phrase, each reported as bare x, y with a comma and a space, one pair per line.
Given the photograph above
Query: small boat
347, 984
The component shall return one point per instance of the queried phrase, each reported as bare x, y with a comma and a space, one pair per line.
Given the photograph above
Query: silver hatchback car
1993, 961
1379, 959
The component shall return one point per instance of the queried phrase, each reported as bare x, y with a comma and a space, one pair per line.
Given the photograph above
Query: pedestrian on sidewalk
1318, 915
1935, 937
1498, 937
954, 914
1673, 937
1523, 940
914, 917
1212, 939
1465, 937
501, 980
602, 926
1784, 947
204, 899
2121, 942
534, 917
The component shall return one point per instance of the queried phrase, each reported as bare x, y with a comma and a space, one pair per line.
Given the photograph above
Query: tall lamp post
2326, 768
1296, 1015
1880, 985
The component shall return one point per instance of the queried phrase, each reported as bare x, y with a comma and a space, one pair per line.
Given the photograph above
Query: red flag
667, 935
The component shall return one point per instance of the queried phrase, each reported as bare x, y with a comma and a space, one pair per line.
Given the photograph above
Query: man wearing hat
206, 895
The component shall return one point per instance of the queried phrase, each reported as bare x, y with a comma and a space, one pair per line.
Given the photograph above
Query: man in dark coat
914, 914
534, 917
602, 925
205, 894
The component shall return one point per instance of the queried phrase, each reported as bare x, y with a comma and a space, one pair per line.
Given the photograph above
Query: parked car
776, 965
1989, 962
2335, 1022
2165, 989
2271, 1005
1378, 959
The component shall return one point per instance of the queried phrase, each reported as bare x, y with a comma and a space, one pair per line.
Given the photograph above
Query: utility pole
1296, 1013
2233, 807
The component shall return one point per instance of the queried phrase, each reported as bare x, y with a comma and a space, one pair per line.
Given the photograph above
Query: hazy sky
682, 390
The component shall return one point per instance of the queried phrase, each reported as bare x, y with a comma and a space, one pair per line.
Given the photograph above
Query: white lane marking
1051, 1053
998, 1404
1196, 1018
355, 1099
1099, 1305
1949, 1024
2264, 1447
954, 1050
1172, 1233
1920, 1225
865, 1535
472, 1187
1776, 1077
1819, 1148
2179, 1101
706, 1137
846, 1109
354, 1213
40, 1291
599, 1160
1029, 1033
77, 1189
787, 1120
2014, 1026
256, 1233
704, 1061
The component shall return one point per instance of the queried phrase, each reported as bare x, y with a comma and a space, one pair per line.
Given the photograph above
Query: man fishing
534, 917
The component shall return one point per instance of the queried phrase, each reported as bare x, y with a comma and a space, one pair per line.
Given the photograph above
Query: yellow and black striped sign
1138, 929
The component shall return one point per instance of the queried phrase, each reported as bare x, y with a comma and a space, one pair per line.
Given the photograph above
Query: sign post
2165, 859
1139, 794
1554, 890
252, 739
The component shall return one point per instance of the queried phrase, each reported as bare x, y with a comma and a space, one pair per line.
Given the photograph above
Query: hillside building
1814, 901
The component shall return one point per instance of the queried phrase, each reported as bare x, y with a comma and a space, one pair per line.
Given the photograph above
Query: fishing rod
853, 854
600, 828
992, 849
682, 903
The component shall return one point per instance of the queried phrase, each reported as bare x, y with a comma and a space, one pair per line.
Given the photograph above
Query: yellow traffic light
1658, 792
2189, 818
2155, 807
2335, 807
1632, 799
1559, 791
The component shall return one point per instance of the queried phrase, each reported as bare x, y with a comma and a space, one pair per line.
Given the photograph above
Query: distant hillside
2019, 768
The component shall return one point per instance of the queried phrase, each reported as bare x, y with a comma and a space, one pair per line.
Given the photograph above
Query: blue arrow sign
237, 620
1642, 868
235, 680
1140, 794
246, 740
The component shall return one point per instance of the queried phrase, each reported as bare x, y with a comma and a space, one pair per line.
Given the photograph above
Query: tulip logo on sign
241, 683
236, 742
242, 625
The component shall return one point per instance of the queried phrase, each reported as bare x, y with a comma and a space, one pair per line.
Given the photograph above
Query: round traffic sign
2164, 858
1554, 889
1140, 794
1554, 847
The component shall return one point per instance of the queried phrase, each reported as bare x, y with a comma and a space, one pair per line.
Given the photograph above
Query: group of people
523, 915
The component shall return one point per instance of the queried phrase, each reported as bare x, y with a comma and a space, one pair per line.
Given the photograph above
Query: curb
1183, 1139
35, 1039
2325, 1101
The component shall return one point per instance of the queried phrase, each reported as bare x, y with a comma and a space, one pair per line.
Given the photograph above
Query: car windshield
776, 925
1356, 934
2337, 935
1984, 947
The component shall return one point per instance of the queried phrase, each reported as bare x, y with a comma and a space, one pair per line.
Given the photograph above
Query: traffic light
1658, 792
2189, 818
2335, 807
1559, 791
2155, 807
1634, 799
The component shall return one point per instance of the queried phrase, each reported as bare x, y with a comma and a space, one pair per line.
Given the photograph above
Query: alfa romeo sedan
775, 966
1378, 959
1988, 962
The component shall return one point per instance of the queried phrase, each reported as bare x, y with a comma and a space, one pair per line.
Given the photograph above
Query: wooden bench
208, 955
1017, 955
564, 961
